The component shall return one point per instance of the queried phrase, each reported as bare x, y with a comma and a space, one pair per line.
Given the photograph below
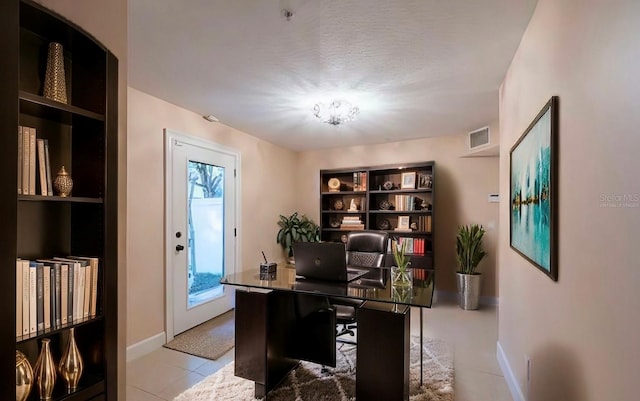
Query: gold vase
71, 365
55, 87
63, 183
45, 371
24, 377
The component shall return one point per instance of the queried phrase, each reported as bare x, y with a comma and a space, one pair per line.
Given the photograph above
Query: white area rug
308, 383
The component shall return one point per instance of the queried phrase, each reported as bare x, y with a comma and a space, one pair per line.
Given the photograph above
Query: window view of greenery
205, 230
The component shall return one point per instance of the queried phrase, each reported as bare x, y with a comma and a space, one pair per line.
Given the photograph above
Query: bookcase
82, 136
396, 198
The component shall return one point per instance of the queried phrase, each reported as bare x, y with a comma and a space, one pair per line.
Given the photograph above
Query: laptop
324, 261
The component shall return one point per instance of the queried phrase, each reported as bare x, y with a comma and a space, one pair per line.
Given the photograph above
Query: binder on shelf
26, 296
48, 168
47, 296
39, 297
64, 293
33, 306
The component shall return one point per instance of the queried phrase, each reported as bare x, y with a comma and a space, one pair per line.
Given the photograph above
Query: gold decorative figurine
55, 87
71, 365
63, 183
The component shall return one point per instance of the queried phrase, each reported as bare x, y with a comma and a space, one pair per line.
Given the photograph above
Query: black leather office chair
366, 249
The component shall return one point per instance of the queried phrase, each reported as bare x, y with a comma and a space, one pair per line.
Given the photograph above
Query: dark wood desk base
269, 344
382, 356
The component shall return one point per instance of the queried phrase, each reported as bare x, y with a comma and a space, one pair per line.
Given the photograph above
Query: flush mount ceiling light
336, 112
211, 118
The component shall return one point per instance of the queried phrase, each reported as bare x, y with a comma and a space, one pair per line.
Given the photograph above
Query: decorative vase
45, 371
469, 290
63, 183
401, 293
24, 377
71, 365
55, 87
401, 276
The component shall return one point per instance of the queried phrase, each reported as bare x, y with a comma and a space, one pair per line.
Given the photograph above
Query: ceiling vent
478, 138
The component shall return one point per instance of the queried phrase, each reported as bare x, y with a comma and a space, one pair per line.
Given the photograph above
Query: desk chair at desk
363, 249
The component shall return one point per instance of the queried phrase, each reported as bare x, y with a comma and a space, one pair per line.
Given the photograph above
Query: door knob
179, 248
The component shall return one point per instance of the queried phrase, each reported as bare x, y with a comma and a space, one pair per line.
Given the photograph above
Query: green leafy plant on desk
296, 229
400, 273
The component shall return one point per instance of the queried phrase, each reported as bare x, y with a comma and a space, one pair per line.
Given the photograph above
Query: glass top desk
374, 287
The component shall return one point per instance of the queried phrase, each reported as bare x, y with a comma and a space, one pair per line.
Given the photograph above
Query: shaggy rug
210, 340
308, 383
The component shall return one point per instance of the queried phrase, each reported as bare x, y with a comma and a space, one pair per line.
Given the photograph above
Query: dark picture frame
533, 194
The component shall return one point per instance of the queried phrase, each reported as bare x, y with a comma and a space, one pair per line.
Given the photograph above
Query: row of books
51, 293
414, 245
405, 202
359, 180
31, 148
424, 223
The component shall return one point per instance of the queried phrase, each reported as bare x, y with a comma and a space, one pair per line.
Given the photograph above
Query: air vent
478, 138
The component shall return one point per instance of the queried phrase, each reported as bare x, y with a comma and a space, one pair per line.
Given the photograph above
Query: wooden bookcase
381, 198
82, 136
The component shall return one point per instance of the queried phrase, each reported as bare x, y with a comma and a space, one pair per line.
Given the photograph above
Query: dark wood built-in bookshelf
383, 196
82, 136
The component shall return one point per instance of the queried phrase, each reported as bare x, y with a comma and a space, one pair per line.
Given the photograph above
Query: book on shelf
42, 169
93, 265
18, 297
39, 297
352, 226
64, 293
32, 160
26, 297
33, 305
25, 160
47, 295
20, 155
48, 168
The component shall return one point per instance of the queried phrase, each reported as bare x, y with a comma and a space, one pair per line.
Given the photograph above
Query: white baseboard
146, 346
512, 382
453, 296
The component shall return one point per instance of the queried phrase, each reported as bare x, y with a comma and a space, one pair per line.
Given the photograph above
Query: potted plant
469, 253
296, 229
400, 272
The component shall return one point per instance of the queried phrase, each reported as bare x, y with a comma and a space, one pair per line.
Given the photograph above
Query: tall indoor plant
469, 253
294, 229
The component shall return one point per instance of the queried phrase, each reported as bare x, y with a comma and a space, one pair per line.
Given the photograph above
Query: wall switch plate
494, 198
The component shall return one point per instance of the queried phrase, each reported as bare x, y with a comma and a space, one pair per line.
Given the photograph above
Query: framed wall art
533, 191
408, 180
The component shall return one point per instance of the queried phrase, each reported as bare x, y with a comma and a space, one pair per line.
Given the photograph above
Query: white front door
200, 238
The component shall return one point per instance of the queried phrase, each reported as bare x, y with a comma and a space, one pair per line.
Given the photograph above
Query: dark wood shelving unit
82, 136
371, 186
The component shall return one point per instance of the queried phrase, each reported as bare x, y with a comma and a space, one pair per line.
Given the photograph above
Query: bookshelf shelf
81, 136
381, 192
70, 199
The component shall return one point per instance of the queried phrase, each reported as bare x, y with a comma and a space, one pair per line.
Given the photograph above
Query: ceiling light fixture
336, 112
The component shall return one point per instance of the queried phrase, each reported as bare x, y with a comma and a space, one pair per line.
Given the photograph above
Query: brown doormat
210, 340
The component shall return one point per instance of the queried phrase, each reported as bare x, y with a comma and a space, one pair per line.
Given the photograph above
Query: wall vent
478, 138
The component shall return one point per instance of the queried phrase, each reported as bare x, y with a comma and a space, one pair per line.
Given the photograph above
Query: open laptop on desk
324, 261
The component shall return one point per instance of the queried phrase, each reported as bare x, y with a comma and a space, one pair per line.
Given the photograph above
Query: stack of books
28, 148
351, 223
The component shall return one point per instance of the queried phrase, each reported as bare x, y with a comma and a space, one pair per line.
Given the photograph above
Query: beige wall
107, 22
461, 188
581, 332
266, 171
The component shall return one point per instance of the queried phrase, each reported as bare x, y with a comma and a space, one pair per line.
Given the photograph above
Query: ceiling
415, 68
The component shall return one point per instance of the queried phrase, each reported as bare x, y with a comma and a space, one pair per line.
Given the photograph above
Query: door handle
179, 248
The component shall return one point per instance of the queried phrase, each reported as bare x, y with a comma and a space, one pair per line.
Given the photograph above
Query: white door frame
170, 136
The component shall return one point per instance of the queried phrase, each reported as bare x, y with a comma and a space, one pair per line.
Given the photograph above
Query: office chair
367, 249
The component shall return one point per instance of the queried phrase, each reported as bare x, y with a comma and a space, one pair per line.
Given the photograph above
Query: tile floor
163, 374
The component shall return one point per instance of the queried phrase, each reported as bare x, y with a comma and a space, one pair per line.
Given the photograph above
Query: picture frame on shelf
533, 183
408, 180
403, 223
425, 181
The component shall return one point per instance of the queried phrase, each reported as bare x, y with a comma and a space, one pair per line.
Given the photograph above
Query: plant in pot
294, 229
400, 272
469, 253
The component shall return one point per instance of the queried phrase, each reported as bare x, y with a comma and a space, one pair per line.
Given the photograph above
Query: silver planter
468, 290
